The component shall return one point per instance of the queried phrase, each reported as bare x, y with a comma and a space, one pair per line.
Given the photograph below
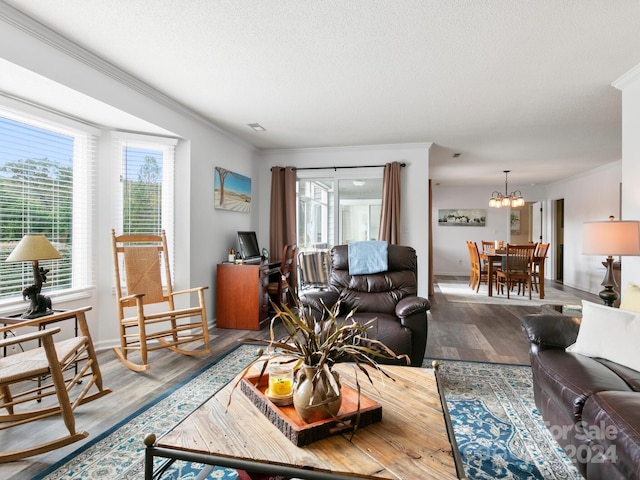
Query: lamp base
39, 306
609, 295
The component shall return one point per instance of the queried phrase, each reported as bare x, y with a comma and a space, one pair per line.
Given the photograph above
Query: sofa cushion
612, 422
631, 298
629, 375
570, 379
609, 333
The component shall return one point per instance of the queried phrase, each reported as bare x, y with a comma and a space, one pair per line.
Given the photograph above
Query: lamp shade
33, 247
611, 237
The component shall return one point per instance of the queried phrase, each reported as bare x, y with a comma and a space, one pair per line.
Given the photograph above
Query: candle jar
280, 380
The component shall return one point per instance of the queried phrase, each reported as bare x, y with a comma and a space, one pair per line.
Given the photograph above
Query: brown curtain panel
390, 214
282, 224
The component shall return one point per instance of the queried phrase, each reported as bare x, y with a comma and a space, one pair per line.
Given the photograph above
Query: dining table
493, 256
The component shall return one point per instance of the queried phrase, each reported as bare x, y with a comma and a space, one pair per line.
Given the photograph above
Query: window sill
17, 305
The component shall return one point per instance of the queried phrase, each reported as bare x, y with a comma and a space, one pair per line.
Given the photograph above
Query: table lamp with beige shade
33, 248
611, 237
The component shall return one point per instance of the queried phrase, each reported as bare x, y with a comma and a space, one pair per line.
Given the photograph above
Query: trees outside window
44, 174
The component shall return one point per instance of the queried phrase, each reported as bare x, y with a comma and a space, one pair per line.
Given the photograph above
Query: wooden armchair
36, 383
141, 329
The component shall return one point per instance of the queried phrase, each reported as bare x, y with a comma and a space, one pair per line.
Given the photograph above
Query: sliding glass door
328, 216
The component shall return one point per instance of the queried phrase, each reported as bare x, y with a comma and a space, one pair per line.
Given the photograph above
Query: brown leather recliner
390, 297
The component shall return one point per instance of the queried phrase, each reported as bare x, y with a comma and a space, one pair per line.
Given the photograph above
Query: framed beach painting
232, 191
462, 217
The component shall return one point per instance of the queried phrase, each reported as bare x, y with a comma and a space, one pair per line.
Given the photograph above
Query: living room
205, 234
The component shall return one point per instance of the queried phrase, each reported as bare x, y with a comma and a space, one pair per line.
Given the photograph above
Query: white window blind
46, 187
146, 185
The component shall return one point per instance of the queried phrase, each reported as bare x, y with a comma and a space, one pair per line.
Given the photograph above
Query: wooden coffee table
414, 439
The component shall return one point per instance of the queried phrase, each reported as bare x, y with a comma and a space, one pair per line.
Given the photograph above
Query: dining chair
488, 246
539, 256
278, 289
480, 271
472, 271
516, 268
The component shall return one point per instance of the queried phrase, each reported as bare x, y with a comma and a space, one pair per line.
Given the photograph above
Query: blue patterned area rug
119, 452
498, 429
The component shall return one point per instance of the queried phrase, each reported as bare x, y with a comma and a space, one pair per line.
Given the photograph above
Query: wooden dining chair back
516, 268
473, 273
143, 278
539, 256
46, 378
479, 271
488, 246
279, 288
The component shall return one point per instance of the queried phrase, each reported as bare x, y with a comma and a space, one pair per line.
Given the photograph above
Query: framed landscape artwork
515, 222
232, 191
469, 217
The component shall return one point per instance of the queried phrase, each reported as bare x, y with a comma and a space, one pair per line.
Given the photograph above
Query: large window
316, 215
328, 216
146, 185
46, 185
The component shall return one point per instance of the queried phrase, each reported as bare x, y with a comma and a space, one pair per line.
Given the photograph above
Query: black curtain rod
349, 166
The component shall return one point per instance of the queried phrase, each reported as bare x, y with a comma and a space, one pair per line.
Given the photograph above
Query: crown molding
382, 146
628, 78
53, 39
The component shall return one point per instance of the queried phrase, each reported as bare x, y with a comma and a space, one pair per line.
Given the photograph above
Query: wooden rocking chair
140, 257
60, 369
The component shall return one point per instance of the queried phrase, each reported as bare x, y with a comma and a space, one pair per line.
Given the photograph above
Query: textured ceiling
522, 85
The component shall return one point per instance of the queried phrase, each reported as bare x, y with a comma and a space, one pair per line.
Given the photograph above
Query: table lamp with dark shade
611, 237
33, 248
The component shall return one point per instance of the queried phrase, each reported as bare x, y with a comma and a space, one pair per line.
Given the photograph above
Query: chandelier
513, 199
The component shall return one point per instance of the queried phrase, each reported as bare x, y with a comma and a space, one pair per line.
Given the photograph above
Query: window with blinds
142, 190
146, 198
46, 185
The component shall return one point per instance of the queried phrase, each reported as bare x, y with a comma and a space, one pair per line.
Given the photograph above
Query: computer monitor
248, 246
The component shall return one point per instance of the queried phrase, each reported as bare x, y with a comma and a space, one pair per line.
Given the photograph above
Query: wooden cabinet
242, 300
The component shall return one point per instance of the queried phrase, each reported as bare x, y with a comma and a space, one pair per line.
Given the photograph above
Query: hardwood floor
482, 332
462, 331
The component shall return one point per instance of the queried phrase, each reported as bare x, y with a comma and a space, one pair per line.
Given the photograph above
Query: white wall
591, 196
450, 255
415, 186
629, 84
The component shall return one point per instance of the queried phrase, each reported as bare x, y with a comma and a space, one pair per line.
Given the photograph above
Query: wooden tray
298, 431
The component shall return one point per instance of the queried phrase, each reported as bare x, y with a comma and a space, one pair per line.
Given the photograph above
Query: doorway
558, 206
